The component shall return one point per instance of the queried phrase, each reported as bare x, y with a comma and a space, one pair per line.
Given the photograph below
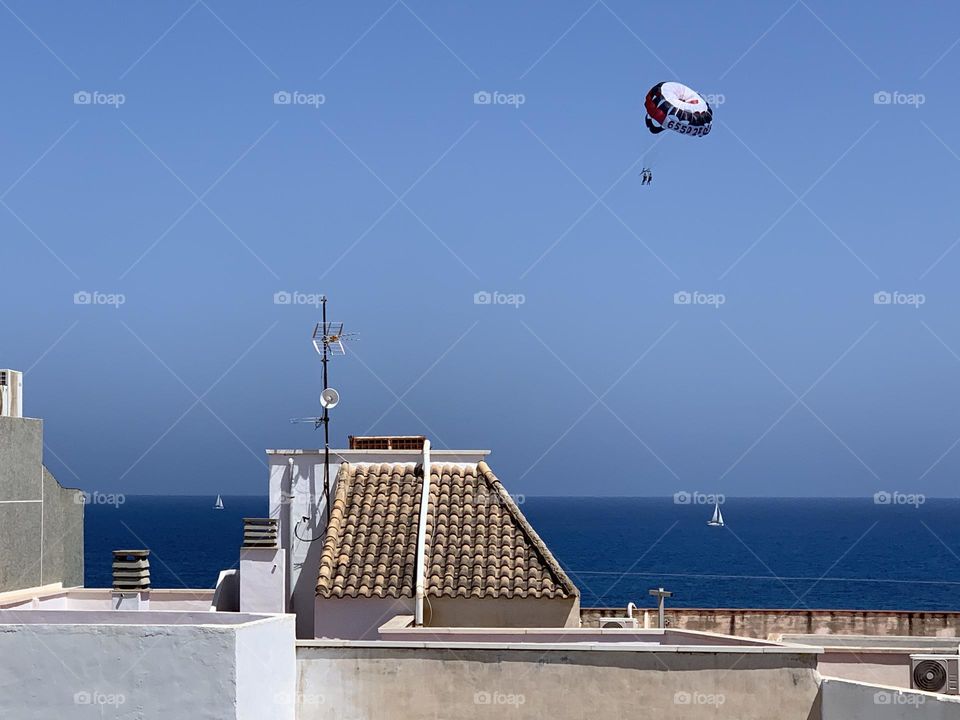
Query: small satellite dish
329, 399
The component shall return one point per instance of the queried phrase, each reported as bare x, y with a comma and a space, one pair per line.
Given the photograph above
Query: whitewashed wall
145, 665
294, 496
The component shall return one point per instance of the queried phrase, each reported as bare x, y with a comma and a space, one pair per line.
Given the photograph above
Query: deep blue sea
803, 553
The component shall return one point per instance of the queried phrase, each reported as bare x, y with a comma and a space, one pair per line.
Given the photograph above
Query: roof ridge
539, 545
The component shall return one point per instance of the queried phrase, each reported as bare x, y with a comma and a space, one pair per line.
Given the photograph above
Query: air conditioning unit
935, 673
618, 622
11, 393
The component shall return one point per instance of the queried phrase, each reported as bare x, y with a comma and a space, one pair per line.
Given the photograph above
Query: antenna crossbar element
316, 421
330, 335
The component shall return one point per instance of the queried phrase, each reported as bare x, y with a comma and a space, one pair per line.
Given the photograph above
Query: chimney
263, 568
386, 442
11, 393
131, 579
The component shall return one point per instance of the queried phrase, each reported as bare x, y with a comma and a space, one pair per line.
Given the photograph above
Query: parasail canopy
674, 106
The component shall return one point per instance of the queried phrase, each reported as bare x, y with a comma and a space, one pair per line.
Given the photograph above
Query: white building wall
294, 494
266, 670
263, 586
145, 666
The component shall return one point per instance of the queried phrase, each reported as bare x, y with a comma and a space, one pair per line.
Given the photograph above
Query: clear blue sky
199, 198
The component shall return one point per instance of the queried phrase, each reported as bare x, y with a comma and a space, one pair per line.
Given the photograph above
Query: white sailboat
717, 519
218, 505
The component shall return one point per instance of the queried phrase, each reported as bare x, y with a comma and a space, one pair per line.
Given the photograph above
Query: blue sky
185, 190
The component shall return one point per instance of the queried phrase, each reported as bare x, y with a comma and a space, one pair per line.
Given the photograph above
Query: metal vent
386, 442
131, 570
260, 532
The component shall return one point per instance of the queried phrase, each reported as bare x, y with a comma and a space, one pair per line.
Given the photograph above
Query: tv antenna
328, 339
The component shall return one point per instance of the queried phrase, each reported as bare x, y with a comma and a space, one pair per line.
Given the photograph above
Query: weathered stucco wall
62, 533
763, 623
353, 683
844, 700
41, 541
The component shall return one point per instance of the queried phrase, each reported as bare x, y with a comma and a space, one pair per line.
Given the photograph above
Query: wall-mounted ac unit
11, 393
935, 673
618, 622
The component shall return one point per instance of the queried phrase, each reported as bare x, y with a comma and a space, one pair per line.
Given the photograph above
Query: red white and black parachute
674, 106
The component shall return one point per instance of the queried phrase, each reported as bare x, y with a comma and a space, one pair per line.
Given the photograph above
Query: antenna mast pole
326, 426
328, 339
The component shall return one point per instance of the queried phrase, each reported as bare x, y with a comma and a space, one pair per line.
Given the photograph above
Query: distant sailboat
218, 505
717, 519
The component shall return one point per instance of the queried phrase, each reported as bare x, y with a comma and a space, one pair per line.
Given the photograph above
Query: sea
898, 553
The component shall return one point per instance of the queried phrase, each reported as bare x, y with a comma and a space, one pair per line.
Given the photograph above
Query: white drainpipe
422, 534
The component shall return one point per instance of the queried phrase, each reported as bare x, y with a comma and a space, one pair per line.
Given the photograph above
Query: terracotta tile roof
479, 544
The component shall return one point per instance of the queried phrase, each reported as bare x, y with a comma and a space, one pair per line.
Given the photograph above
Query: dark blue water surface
189, 541
772, 552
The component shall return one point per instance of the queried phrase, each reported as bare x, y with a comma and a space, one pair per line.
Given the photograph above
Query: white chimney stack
11, 393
